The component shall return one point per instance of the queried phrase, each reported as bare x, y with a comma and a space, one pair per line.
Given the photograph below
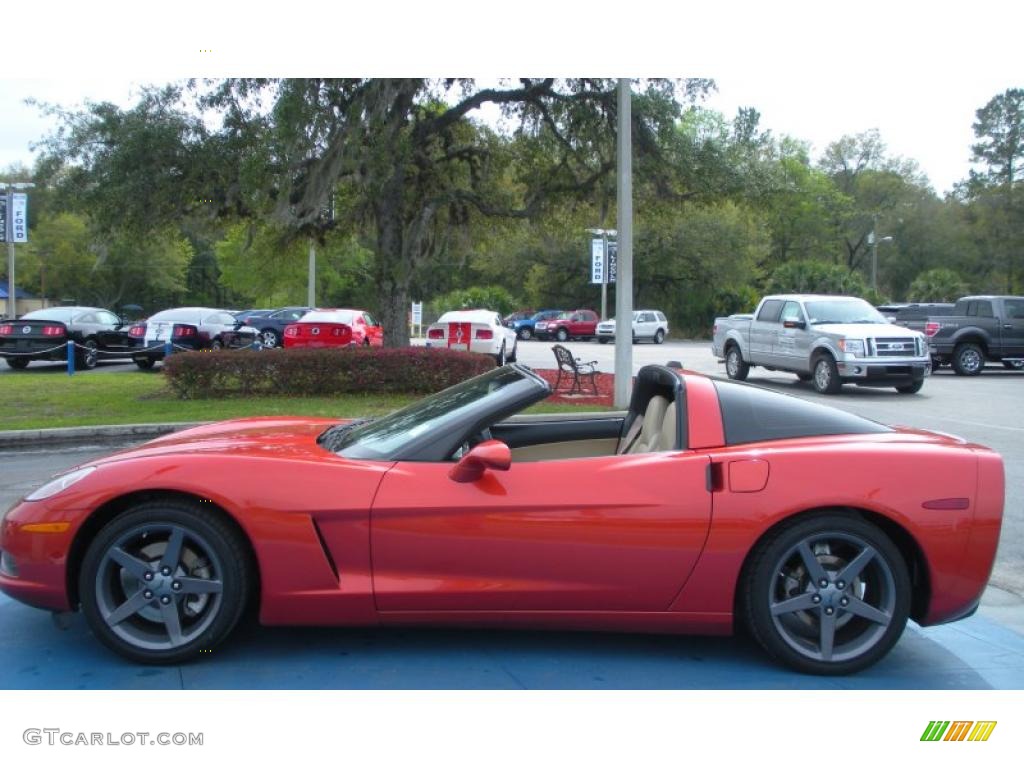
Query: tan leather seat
667, 435
654, 417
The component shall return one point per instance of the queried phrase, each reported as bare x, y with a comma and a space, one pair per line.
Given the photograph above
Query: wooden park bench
573, 366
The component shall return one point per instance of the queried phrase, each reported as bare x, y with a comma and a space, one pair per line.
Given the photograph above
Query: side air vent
327, 552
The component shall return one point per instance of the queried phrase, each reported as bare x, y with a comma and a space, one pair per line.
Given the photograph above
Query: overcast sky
915, 71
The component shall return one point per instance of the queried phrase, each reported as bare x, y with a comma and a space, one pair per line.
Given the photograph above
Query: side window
295, 314
661, 317
85, 317
791, 311
107, 318
770, 311
1014, 309
369, 319
283, 314
985, 309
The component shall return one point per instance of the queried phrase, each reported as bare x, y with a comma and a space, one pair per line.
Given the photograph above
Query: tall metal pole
624, 279
874, 254
12, 299
311, 288
604, 276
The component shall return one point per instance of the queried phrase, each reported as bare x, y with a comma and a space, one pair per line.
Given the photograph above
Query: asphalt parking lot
985, 651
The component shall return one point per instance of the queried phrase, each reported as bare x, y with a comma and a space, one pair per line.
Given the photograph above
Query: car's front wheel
164, 581
826, 376
17, 363
525, 334
829, 594
145, 363
562, 334
910, 389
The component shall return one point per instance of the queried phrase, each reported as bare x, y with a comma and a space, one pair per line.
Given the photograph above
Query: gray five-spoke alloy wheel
164, 581
829, 596
269, 339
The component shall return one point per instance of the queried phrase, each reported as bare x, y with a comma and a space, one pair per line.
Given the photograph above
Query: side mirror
794, 324
490, 454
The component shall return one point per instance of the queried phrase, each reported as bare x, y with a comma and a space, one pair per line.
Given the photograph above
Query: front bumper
40, 560
883, 372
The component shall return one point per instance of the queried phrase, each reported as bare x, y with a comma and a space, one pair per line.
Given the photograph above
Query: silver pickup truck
828, 340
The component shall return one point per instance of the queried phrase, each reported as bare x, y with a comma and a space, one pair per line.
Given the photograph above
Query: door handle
1008, 326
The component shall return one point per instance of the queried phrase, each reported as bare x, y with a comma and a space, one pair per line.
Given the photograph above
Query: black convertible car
44, 333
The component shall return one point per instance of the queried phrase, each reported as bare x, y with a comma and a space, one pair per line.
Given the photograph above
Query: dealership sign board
19, 217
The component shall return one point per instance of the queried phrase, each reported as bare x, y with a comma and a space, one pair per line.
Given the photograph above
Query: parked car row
585, 324
98, 333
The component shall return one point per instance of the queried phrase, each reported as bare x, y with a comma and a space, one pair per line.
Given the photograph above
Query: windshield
388, 434
842, 311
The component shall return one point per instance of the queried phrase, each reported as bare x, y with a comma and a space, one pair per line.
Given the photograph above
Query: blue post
71, 358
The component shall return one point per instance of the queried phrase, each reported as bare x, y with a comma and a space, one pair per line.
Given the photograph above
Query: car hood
271, 436
865, 330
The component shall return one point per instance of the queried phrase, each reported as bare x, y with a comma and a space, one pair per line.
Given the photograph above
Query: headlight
59, 484
853, 347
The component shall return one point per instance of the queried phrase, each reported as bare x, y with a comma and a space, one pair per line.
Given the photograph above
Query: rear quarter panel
891, 478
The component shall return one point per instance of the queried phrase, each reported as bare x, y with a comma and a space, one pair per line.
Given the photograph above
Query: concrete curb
24, 438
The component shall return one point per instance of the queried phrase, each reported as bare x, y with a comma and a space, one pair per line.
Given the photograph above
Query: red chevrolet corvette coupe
708, 506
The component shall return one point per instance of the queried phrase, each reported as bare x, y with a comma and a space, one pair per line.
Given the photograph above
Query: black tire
212, 556
525, 334
659, 336
807, 565
602, 339
87, 355
562, 334
500, 358
1017, 365
216, 344
735, 367
17, 363
825, 375
145, 363
968, 359
515, 353
910, 389
270, 338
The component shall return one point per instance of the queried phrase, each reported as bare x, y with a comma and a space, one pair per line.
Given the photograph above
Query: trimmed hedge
318, 372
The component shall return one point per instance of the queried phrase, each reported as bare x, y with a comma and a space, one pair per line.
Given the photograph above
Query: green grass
42, 400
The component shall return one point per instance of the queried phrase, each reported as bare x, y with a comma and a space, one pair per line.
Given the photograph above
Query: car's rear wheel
968, 359
562, 334
164, 581
87, 355
515, 353
270, 339
659, 336
826, 376
829, 594
17, 363
145, 363
602, 339
217, 344
735, 368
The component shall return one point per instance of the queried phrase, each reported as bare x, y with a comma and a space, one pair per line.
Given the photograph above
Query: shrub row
317, 372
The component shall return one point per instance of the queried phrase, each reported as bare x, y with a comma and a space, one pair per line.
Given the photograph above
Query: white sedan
648, 324
474, 330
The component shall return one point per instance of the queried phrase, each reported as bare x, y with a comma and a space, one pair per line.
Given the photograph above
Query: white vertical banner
597, 260
19, 217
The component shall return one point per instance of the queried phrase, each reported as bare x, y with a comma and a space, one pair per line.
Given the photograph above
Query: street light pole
624, 278
873, 239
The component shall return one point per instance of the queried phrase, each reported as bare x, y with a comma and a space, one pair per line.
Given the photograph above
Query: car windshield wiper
333, 438
825, 322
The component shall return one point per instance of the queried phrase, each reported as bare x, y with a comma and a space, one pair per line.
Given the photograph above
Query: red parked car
709, 505
579, 324
334, 328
